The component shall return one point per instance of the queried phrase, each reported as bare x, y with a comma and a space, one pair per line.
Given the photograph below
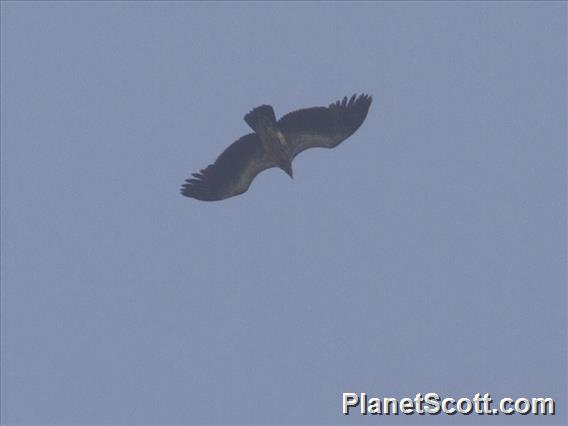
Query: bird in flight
275, 144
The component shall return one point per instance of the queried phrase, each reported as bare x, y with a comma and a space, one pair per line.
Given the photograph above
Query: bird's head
287, 167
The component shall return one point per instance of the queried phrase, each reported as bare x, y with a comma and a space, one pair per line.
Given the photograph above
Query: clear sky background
425, 254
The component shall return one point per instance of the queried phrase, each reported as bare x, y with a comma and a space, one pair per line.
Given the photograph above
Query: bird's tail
261, 117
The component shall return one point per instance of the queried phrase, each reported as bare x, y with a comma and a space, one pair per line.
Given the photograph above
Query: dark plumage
275, 144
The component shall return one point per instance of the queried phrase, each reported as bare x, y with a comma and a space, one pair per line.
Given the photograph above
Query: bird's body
275, 144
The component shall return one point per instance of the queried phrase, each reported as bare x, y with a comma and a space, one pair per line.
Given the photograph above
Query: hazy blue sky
425, 254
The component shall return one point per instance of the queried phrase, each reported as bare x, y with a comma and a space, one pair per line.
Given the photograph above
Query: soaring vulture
275, 144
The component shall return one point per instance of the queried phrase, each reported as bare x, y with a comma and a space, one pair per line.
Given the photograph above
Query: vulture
275, 144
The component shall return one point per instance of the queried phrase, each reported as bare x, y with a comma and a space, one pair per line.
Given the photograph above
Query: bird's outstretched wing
232, 172
324, 127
